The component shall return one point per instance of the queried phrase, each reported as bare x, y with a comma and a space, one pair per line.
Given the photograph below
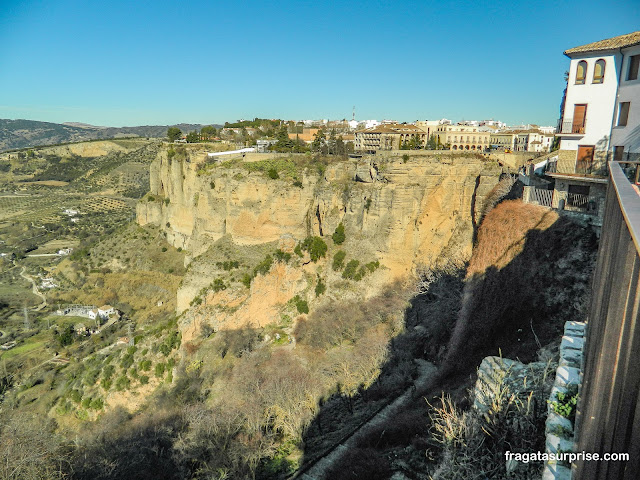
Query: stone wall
558, 429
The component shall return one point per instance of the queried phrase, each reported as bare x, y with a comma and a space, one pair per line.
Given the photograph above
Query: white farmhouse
105, 310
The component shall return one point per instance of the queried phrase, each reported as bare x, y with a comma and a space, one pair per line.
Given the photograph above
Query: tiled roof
394, 128
609, 44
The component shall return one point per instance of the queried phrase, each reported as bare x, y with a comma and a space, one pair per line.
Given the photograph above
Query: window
634, 63
579, 118
623, 114
579, 189
598, 71
581, 72
618, 153
584, 159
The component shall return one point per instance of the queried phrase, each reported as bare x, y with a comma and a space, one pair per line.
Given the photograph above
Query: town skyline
161, 65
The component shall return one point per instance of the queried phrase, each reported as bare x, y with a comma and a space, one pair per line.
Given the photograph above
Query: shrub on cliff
263, 267
301, 305
339, 236
315, 246
338, 260
351, 270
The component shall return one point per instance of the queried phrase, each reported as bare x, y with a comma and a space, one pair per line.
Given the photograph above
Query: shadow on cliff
530, 272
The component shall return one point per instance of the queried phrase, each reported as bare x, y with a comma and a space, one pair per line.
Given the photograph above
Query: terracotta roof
394, 128
609, 44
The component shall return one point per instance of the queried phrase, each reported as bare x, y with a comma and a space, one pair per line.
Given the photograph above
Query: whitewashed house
601, 105
600, 119
105, 310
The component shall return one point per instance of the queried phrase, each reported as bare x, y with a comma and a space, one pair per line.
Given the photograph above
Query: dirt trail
34, 289
319, 468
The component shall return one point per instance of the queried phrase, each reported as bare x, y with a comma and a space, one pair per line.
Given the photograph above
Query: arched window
598, 71
581, 72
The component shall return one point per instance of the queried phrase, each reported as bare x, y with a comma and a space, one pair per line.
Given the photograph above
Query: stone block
555, 424
566, 376
574, 329
555, 444
554, 471
570, 357
575, 343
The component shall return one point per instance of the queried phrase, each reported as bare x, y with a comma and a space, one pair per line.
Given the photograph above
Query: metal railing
608, 415
543, 197
586, 203
567, 126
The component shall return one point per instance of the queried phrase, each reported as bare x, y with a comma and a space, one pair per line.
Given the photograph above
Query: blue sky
137, 63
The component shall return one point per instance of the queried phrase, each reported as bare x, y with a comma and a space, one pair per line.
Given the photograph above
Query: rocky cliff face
400, 213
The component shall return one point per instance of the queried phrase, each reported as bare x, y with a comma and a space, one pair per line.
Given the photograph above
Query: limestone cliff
401, 213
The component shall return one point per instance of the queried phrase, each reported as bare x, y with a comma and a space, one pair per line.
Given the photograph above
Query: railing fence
608, 415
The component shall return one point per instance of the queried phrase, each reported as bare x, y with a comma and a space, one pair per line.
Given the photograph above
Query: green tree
208, 132
193, 137
174, 133
338, 260
432, 144
332, 143
316, 247
283, 143
319, 144
341, 146
415, 143
339, 236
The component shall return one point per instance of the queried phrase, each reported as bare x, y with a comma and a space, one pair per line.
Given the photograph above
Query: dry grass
474, 442
529, 273
503, 232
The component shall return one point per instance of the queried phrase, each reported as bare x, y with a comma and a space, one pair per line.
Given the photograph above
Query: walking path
319, 468
34, 289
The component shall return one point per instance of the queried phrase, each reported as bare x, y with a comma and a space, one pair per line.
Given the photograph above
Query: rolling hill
16, 134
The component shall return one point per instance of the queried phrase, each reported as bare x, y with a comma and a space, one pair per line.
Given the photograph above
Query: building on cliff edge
599, 121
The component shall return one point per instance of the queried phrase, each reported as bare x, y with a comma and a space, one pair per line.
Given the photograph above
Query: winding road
34, 289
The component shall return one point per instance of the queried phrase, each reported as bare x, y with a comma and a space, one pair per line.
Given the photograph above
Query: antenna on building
353, 115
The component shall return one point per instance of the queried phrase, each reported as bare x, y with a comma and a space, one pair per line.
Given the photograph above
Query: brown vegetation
529, 273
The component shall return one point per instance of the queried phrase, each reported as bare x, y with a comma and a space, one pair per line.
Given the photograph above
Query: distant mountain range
15, 134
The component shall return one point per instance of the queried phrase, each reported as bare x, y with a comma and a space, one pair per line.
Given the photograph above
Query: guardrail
568, 126
608, 415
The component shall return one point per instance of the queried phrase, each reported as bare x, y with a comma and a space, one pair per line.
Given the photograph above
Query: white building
602, 103
105, 310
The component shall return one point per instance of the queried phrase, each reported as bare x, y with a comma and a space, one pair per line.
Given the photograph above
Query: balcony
566, 126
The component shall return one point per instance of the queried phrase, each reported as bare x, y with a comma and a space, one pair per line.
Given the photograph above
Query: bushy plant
315, 246
351, 270
301, 305
282, 257
263, 267
160, 368
338, 235
338, 260
565, 404
218, 285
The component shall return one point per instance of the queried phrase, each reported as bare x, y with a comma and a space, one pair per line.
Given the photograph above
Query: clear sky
130, 62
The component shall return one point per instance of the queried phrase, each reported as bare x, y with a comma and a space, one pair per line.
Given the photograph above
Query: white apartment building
601, 114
